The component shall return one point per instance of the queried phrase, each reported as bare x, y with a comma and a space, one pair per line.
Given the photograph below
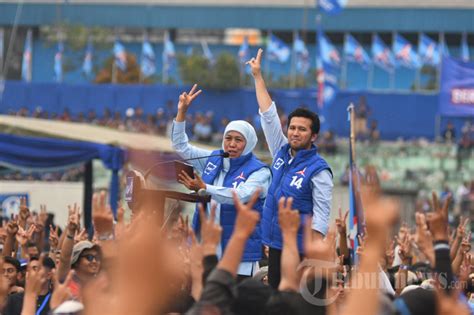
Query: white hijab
247, 131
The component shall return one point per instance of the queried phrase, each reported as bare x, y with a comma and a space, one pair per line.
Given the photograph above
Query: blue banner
147, 66
120, 56
332, 7
10, 203
456, 97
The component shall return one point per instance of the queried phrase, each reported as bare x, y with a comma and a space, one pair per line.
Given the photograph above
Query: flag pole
293, 63
344, 65
418, 69
370, 76
267, 61
392, 73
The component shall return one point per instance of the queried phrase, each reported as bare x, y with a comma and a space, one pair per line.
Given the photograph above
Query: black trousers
274, 267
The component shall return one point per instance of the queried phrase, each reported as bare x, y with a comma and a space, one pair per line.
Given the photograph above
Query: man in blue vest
242, 172
298, 171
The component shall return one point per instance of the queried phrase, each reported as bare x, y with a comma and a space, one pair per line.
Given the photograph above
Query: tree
224, 74
131, 75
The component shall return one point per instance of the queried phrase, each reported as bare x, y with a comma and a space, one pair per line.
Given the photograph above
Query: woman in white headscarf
241, 172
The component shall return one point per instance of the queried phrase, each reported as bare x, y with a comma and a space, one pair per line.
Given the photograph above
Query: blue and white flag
244, 51
332, 7
354, 52
277, 50
27, 57
428, 51
87, 65
148, 60
301, 55
328, 52
1, 50
405, 54
442, 46
207, 52
58, 61
382, 55
168, 52
464, 48
120, 56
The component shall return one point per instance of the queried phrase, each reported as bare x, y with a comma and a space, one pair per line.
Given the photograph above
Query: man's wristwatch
202, 192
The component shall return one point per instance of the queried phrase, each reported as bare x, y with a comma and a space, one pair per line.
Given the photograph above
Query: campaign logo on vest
238, 180
297, 180
278, 163
209, 168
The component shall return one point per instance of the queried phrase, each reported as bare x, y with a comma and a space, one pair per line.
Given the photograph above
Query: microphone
148, 171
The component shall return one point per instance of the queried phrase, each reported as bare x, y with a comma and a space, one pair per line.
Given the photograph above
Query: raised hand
24, 211
195, 183
53, 238
81, 236
61, 291
423, 237
23, 236
405, 249
288, 218
73, 221
438, 219
43, 215
341, 223
210, 230
12, 226
102, 216
323, 249
247, 218
255, 63
185, 99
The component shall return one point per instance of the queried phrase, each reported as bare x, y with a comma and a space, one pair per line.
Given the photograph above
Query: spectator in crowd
362, 113
202, 128
161, 121
11, 268
327, 143
449, 134
464, 147
374, 133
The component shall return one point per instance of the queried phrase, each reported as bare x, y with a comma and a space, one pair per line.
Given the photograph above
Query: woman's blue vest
240, 169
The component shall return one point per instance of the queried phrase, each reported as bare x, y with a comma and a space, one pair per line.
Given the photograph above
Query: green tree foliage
224, 74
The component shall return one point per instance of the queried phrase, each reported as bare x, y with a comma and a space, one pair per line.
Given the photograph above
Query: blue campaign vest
290, 180
240, 169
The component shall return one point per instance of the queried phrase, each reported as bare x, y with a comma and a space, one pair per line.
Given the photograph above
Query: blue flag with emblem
27, 57
382, 55
168, 52
332, 7
120, 56
147, 66
327, 51
464, 48
428, 51
87, 65
354, 52
244, 51
301, 55
277, 50
405, 54
58, 62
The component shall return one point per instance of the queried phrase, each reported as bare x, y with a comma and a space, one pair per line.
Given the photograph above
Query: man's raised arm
263, 98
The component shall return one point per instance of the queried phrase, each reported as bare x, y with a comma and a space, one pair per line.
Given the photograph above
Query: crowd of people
141, 267
262, 244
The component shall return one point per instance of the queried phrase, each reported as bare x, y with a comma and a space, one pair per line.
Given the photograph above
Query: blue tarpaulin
34, 153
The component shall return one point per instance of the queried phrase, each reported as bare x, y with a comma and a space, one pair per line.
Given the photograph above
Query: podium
138, 197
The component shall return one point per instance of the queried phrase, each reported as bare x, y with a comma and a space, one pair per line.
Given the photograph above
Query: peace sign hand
185, 99
255, 63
